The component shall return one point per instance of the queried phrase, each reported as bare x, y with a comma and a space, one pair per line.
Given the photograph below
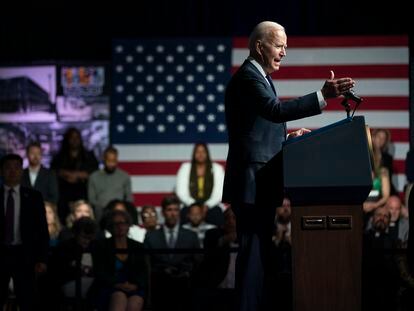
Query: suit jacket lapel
179, 241
2, 211
38, 177
163, 241
259, 74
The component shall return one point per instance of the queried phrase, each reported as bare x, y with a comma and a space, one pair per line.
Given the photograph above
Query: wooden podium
327, 176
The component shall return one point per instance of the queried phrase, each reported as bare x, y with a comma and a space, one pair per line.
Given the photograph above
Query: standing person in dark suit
24, 235
256, 119
171, 272
38, 177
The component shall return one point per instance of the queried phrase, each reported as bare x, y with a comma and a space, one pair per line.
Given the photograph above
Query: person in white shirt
201, 180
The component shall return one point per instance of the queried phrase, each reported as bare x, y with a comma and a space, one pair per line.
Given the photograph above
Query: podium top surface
324, 129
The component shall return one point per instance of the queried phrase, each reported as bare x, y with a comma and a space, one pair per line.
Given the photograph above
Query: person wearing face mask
256, 123
109, 183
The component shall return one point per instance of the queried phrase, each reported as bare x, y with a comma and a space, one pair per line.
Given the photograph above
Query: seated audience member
282, 256
108, 184
378, 236
405, 262
53, 224
381, 139
121, 277
201, 180
73, 258
196, 222
380, 188
38, 177
78, 210
171, 272
215, 277
149, 218
398, 227
380, 279
73, 165
135, 232
282, 222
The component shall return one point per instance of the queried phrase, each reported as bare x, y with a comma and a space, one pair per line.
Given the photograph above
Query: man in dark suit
256, 119
38, 177
171, 272
24, 235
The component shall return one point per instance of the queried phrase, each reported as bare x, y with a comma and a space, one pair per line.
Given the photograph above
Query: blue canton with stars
169, 91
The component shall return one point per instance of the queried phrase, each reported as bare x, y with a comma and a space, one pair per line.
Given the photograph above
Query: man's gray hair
261, 31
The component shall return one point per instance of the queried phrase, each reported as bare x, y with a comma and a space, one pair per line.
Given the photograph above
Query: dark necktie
171, 240
269, 78
9, 224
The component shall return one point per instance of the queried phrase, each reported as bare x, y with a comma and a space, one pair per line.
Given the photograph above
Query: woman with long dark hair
73, 164
201, 181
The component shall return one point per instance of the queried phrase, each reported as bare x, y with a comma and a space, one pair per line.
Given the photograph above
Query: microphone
351, 95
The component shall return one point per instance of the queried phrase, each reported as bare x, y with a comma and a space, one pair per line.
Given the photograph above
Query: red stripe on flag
141, 199
398, 166
374, 103
354, 71
337, 41
153, 168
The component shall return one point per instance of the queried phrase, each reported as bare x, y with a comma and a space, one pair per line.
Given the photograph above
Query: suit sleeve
100, 257
273, 109
92, 197
128, 190
53, 187
42, 248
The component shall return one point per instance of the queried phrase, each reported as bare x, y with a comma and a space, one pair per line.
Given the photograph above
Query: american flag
169, 93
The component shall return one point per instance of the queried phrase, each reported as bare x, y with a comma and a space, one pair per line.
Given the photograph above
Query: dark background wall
62, 30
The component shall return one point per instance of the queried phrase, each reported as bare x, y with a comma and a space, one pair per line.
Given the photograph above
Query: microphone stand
347, 106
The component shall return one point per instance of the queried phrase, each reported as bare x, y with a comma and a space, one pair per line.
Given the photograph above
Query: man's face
394, 207
381, 219
12, 172
34, 155
195, 215
171, 214
272, 49
110, 161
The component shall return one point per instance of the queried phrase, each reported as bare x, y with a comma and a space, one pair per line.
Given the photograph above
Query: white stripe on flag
364, 87
218, 152
399, 181
166, 183
151, 184
337, 56
373, 118
167, 152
